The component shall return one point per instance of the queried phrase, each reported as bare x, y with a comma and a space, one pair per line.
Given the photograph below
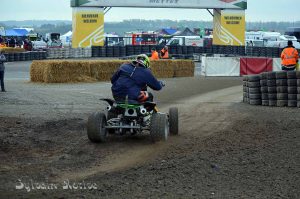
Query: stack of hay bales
12, 50
62, 71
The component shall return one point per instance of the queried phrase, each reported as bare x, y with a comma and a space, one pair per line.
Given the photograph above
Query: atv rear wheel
159, 128
173, 121
96, 130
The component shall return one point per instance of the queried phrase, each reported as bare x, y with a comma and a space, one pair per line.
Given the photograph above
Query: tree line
120, 28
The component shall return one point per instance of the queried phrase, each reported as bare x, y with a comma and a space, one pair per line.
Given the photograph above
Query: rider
131, 81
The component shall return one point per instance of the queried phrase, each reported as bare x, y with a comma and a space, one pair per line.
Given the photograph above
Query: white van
185, 41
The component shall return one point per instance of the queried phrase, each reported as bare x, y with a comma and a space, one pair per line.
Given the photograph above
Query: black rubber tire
173, 121
282, 96
292, 96
298, 82
253, 78
298, 104
272, 102
264, 82
271, 82
245, 99
245, 78
264, 96
298, 97
282, 103
245, 94
272, 89
292, 103
254, 96
281, 75
281, 82
291, 75
244, 83
159, 127
253, 84
265, 102
245, 89
272, 96
95, 127
255, 101
292, 90
263, 75
292, 82
271, 75
254, 90
264, 89
282, 89
298, 74
111, 115
298, 90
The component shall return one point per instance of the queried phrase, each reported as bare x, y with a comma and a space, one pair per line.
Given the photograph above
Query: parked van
185, 41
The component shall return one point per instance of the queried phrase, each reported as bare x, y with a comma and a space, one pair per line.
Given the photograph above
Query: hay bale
37, 71
63, 71
12, 50
68, 71
184, 68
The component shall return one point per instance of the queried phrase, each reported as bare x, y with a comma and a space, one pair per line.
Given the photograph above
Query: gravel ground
226, 149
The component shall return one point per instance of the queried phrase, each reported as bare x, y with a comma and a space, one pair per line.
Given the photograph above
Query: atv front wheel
159, 128
96, 130
173, 120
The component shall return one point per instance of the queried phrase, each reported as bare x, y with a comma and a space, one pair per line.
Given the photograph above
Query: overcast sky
258, 10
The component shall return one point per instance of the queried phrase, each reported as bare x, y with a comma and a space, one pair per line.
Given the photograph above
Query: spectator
289, 57
12, 42
2, 69
164, 53
154, 54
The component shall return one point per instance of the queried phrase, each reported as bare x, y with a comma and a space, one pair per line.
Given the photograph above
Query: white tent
66, 39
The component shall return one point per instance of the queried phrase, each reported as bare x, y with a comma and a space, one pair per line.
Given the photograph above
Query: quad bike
124, 118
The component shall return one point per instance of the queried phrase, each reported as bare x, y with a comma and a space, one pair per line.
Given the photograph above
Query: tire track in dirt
191, 118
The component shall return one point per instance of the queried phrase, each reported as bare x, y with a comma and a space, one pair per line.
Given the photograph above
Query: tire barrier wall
62, 71
281, 89
180, 51
25, 56
220, 66
64, 53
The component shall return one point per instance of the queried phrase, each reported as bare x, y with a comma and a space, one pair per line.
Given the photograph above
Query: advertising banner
229, 27
88, 27
221, 4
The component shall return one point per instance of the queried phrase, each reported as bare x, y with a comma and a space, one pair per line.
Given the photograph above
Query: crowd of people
16, 42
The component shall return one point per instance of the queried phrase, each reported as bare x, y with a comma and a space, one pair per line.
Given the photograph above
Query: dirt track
225, 149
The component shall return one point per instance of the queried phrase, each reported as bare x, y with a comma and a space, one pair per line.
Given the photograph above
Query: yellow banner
229, 27
88, 27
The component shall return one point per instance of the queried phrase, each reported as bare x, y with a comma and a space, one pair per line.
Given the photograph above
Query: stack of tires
264, 89
292, 88
245, 90
272, 91
298, 89
254, 90
282, 89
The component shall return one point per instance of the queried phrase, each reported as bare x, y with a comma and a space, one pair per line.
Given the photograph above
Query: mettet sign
196, 4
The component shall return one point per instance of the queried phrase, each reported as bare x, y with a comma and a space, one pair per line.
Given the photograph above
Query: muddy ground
226, 149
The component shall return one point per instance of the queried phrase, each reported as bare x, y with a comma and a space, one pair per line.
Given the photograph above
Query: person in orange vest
164, 53
289, 57
154, 54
